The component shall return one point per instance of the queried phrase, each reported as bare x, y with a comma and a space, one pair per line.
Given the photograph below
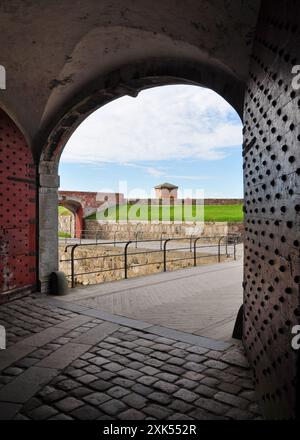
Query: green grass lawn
224, 213
212, 213
64, 234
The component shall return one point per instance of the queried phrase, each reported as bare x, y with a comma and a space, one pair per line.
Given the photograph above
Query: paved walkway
69, 361
203, 300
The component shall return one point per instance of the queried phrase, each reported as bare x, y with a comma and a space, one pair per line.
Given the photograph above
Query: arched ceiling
54, 50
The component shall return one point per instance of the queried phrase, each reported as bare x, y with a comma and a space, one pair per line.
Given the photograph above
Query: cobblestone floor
66, 362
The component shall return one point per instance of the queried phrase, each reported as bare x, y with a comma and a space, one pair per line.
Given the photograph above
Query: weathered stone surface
26, 384
161, 398
143, 390
101, 385
113, 407
178, 416
68, 404
186, 383
8, 411
230, 399
212, 406
132, 414
117, 392
235, 357
204, 390
157, 411
180, 406
165, 387
96, 398
211, 363
117, 384
186, 395
42, 412
86, 412
134, 400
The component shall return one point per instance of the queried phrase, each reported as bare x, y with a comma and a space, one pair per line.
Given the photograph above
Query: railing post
165, 254
191, 241
161, 240
72, 266
195, 250
219, 249
125, 259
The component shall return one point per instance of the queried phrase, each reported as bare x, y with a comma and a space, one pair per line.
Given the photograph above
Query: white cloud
164, 123
174, 176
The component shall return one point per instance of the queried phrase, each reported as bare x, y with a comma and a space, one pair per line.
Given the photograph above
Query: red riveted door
17, 211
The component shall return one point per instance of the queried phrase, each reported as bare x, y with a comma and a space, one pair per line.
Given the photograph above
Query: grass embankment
64, 234
63, 211
212, 213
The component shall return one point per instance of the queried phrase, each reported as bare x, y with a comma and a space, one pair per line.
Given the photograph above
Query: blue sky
186, 135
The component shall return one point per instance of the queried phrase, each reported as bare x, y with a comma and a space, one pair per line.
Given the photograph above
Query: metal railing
95, 236
85, 234
190, 245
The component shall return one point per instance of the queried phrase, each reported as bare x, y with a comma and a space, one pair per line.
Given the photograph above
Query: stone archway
206, 43
76, 209
128, 80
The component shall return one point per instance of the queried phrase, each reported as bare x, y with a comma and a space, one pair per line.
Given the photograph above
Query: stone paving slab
159, 330
62, 357
204, 300
26, 385
97, 333
8, 410
13, 354
44, 337
30, 315
122, 320
72, 323
86, 292
202, 341
123, 373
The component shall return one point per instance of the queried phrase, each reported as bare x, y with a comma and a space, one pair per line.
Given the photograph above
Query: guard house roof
166, 185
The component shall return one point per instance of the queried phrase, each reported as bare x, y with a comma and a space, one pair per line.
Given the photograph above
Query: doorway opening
156, 231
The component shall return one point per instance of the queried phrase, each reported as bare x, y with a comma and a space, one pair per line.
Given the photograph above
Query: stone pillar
272, 207
78, 222
48, 223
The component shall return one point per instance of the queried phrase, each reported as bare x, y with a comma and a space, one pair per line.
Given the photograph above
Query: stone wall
66, 224
187, 201
128, 230
223, 201
113, 266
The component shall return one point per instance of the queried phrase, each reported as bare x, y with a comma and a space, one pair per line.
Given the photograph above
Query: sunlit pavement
203, 300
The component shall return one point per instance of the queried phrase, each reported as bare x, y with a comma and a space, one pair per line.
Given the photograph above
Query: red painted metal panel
17, 210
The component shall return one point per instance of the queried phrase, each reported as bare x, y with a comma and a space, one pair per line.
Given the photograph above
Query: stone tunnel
63, 60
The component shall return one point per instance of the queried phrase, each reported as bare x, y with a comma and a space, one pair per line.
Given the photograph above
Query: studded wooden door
17, 211
272, 208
